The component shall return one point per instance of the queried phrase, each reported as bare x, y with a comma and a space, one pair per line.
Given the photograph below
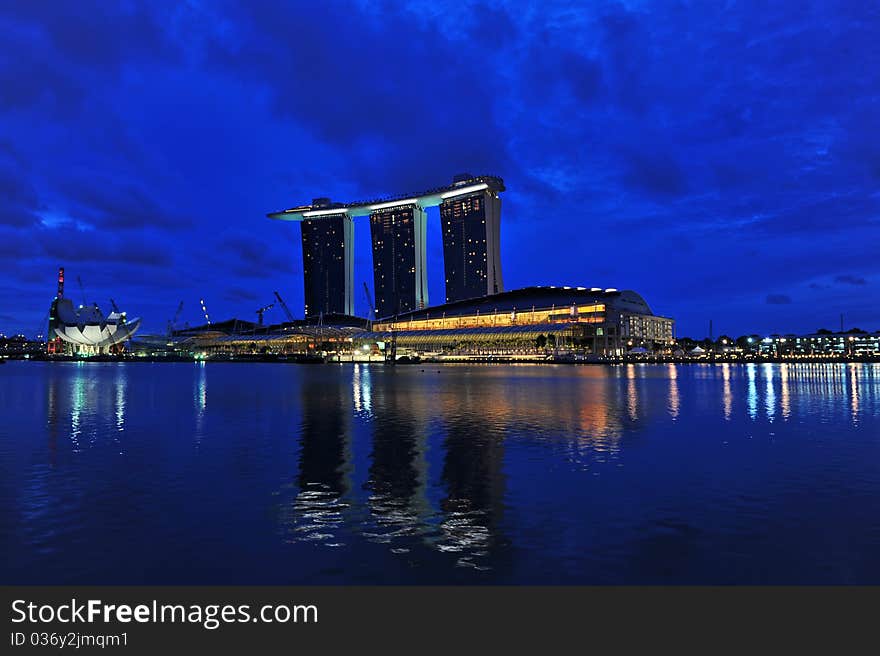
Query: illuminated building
85, 329
602, 322
470, 217
533, 321
854, 343
328, 260
470, 212
400, 278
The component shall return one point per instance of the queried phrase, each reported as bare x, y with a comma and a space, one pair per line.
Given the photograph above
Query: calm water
262, 473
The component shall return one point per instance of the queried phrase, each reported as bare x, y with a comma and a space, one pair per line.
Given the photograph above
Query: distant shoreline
561, 360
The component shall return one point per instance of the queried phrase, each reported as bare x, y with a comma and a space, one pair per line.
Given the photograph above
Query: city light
341, 210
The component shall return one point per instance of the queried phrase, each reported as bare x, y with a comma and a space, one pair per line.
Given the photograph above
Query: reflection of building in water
752, 398
86, 403
325, 459
398, 470
474, 480
52, 413
854, 370
362, 389
727, 397
770, 393
784, 391
674, 401
809, 385
200, 400
632, 394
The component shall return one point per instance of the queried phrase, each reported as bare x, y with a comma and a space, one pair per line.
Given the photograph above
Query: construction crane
284, 307
82, 290
173, 322
43, 324
370, 302
263, 309
205, 310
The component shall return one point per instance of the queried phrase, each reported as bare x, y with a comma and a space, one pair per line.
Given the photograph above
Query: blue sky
720, 158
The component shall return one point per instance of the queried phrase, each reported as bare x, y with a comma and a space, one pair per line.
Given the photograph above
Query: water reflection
451, 474
770, 393
727, 395
120, 399
398, 467
632, 396
361, 389
752, 394
474, 481
200, 400
599, 426
784, 391
674, 402
854, 371
85, 404
317, 513
77, 401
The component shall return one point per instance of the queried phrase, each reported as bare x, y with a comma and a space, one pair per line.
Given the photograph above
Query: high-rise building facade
328, 264
400, 278
470, 217
471, 226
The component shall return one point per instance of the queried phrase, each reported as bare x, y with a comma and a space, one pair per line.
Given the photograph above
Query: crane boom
173, 322
82, 290
370, 302
205, 310
284, 307
263, 309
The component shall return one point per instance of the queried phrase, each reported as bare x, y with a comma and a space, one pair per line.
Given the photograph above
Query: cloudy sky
721, 158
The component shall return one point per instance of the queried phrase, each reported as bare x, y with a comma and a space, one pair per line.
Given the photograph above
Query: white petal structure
86, 326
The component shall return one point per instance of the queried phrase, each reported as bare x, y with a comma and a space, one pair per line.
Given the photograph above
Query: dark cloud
833, 213
237, 294
117, 205
656, 173
251, 257
18, 198
15, 244
847, 279
778, 299
67, 243
647, 146
406, 105
60, 48
493, 27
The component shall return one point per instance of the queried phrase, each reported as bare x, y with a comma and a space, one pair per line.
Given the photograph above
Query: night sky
720, 158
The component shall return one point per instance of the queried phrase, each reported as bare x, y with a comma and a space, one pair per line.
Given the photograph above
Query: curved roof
538, 297
323, 208
86, 325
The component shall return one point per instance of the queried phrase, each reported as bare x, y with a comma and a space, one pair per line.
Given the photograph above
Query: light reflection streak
785, 393
728, 395
119, 406
362, 392
77, 401
200, 400
632, 398
770, 394
854, 391
120, 400
674, 401
752, 398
